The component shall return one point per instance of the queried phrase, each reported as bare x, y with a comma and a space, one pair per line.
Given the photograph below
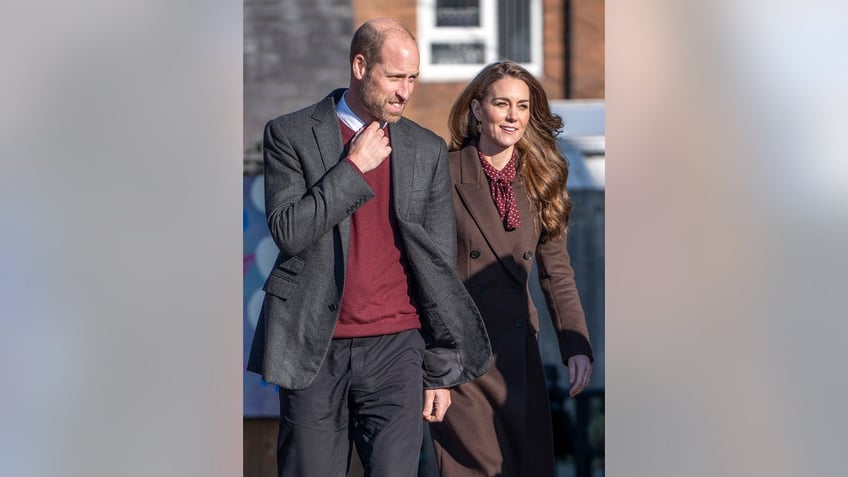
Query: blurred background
296, 53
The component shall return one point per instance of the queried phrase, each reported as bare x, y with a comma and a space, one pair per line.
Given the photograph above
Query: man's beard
375, 104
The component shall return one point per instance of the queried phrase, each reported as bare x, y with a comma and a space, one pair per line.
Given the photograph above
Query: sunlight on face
387, 86
503, 114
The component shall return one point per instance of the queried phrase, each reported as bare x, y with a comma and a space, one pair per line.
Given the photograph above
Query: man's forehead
399, 60
401, 47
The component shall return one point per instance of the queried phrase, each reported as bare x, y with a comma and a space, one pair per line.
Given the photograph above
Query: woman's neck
495, 155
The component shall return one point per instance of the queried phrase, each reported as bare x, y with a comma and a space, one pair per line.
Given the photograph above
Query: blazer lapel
473, 189
328, 137
402, 166
327, 132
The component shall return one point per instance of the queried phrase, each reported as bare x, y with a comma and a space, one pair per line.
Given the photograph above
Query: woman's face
503, 113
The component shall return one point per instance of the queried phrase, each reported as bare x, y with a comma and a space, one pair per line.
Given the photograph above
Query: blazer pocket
280, 286
293, 265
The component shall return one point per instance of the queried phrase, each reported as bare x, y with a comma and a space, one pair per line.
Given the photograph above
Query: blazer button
528, 255
333, 307
475, 254
518, 323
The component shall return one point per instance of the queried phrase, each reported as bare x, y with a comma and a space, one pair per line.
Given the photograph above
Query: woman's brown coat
500, 424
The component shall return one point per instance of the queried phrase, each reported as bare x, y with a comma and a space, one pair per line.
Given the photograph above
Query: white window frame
428, 34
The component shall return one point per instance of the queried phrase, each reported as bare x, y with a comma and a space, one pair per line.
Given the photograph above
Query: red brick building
296, 52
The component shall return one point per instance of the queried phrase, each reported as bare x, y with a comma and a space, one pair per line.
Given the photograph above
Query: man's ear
358, 67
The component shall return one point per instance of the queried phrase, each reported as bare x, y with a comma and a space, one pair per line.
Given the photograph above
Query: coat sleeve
299, 212
556, 277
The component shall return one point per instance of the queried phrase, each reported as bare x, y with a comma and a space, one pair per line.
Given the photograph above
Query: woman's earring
479, 127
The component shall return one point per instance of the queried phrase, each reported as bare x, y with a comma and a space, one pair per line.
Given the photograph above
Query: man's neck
355, 104
347, 115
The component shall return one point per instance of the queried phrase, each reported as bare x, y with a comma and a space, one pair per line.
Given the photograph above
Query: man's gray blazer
310, 193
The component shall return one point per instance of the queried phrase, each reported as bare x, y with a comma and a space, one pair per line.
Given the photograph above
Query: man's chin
391, 117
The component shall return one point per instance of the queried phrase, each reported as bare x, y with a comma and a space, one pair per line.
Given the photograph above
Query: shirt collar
347, 116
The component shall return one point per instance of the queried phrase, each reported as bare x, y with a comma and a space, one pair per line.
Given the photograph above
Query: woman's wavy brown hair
541, 167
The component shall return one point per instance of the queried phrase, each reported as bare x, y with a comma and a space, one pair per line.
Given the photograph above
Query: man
365, 322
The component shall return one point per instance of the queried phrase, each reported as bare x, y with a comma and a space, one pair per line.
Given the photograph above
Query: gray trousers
369, 392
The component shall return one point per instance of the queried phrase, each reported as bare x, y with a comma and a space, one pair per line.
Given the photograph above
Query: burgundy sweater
376, 299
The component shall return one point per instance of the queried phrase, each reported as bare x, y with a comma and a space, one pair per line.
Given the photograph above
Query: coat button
475, 254
333, 307
518, 323
528, 255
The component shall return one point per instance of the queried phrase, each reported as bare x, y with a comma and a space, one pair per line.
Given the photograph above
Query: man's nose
405, 90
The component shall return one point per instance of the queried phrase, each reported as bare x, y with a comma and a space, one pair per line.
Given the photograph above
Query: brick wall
401, 10
587, 49
294, 54
553, 47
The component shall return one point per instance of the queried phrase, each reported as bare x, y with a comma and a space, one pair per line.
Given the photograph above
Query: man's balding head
369, 38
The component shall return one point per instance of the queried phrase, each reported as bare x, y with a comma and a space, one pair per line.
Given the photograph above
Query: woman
511, 207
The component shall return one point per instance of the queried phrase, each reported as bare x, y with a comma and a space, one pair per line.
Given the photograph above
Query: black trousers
369, 391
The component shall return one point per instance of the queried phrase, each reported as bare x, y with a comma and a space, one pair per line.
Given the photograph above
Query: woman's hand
579, 372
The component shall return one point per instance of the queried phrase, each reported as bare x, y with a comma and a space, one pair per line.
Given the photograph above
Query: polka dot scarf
500, 182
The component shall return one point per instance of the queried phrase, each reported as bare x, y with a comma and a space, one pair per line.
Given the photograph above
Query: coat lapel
473, 190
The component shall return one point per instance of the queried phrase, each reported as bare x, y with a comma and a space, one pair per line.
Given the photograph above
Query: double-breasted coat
500, 424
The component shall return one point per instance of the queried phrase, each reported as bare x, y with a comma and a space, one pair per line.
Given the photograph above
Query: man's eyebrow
401, 75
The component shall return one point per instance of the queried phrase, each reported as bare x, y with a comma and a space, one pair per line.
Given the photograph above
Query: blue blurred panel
260, 398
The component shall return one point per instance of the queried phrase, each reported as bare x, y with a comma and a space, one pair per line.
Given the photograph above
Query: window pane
514, 30
458, 53
457, 13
